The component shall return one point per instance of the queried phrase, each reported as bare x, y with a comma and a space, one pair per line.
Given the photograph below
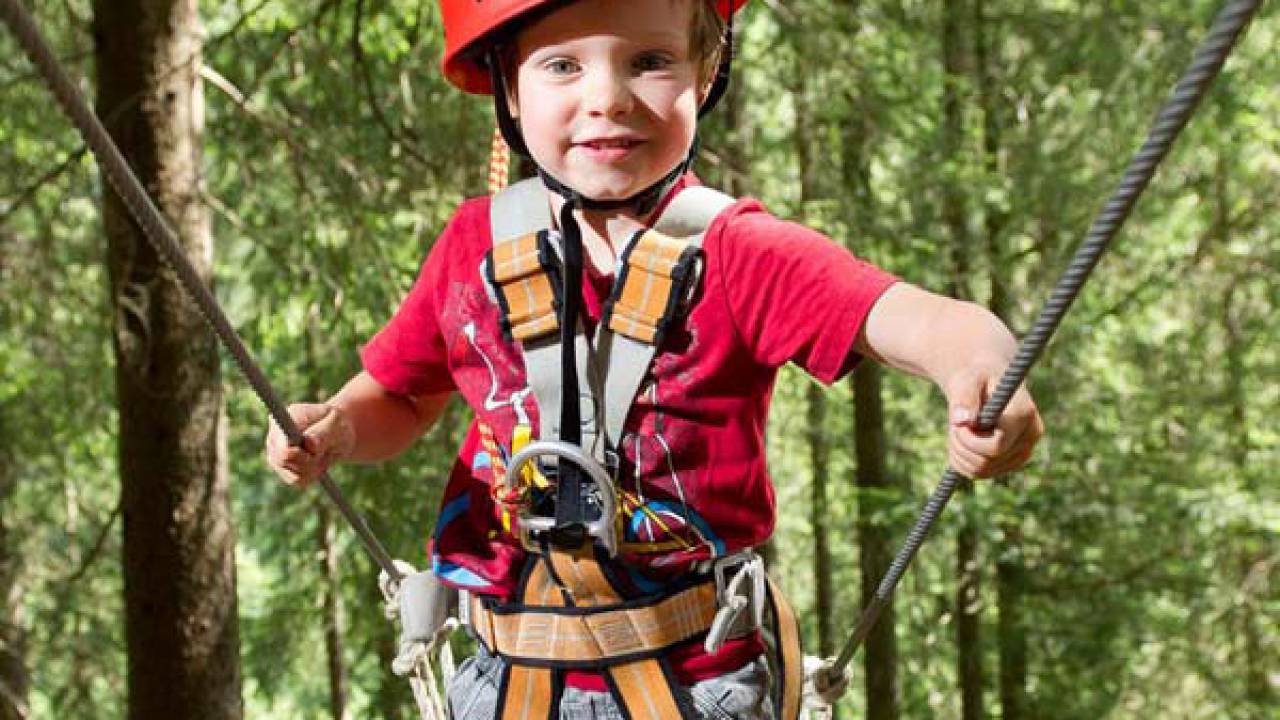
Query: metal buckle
603, 528
731, 599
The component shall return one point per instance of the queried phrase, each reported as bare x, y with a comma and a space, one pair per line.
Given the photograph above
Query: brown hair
706, 37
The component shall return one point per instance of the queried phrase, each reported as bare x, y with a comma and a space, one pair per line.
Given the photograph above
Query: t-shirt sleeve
793, 293
408, 355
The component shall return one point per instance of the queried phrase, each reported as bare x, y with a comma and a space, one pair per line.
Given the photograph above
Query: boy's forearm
969, 337
385, 423
935, 336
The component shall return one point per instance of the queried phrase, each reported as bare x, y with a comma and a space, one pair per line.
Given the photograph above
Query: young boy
666, 490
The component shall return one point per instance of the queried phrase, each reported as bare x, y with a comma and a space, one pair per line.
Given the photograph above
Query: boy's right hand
327, 436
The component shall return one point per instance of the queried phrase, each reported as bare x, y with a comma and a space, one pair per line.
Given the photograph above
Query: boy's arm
385, 424
363, 422
963, 348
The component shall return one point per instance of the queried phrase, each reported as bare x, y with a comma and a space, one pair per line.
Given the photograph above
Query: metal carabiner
603, 528
732, 599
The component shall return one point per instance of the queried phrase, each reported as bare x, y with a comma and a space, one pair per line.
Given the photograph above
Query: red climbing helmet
468, 22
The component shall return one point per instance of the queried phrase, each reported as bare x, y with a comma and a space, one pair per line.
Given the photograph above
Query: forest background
1129, 572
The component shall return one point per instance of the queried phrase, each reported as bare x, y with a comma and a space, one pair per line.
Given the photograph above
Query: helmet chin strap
641, 204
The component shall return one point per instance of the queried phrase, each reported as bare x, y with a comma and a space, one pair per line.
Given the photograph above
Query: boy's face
606, 93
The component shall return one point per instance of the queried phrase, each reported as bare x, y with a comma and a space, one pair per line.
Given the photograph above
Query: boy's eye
652, 61
561, 66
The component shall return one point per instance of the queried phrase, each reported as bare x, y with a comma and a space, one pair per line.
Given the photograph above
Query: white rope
415, 659
820, 693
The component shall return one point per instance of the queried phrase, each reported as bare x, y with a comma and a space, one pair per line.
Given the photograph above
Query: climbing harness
567, 513
568, 613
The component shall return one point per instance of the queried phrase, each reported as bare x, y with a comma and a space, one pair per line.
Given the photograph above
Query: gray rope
162, 237
1173, 117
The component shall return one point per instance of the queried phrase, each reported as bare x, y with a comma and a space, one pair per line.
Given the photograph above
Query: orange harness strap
658, 273
786, 655
570, 615
523, 272
643, 688
528, 692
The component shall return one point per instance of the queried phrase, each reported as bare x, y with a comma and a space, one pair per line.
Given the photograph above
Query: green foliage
334, 152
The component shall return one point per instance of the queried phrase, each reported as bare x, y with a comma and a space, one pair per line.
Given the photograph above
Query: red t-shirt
693, 455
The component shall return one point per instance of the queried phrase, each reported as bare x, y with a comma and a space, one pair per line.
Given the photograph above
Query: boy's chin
610, 185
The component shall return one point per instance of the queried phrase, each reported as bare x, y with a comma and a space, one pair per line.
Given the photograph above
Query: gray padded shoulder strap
687, 217
518, 210
690, 213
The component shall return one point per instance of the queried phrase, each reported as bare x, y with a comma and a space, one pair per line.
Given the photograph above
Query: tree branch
95, 550
53, 174
403, 137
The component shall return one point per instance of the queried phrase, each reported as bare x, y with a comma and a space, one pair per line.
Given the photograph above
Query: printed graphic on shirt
492, 403
487, 369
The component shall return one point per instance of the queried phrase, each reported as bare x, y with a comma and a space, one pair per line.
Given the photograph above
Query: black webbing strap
1173, 117
159, 234
571, 511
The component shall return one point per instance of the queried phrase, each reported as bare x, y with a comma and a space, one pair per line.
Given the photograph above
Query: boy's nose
607, 94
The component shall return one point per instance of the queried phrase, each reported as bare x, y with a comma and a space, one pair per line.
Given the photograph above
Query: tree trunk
819, 452
817, 440
179, 573
995, 217
968, 601
953, 202
876, 488
875, 542
1010, 570
1011, 583
735, 158
14, 678
333, 612
968, 606
391, 696
330, 575
1250, 546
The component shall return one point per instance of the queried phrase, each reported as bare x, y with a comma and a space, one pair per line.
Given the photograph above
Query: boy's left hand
1000, 451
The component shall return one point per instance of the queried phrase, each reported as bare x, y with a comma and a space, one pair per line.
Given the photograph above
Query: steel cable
1172, 118
162, 237
1169, 123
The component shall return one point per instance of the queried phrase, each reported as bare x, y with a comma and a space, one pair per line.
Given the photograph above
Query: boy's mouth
609, 149
610, 143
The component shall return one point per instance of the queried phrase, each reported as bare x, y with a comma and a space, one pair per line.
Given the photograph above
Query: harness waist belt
597, 636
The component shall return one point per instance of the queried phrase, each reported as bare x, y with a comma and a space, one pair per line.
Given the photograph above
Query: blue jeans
738, 695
